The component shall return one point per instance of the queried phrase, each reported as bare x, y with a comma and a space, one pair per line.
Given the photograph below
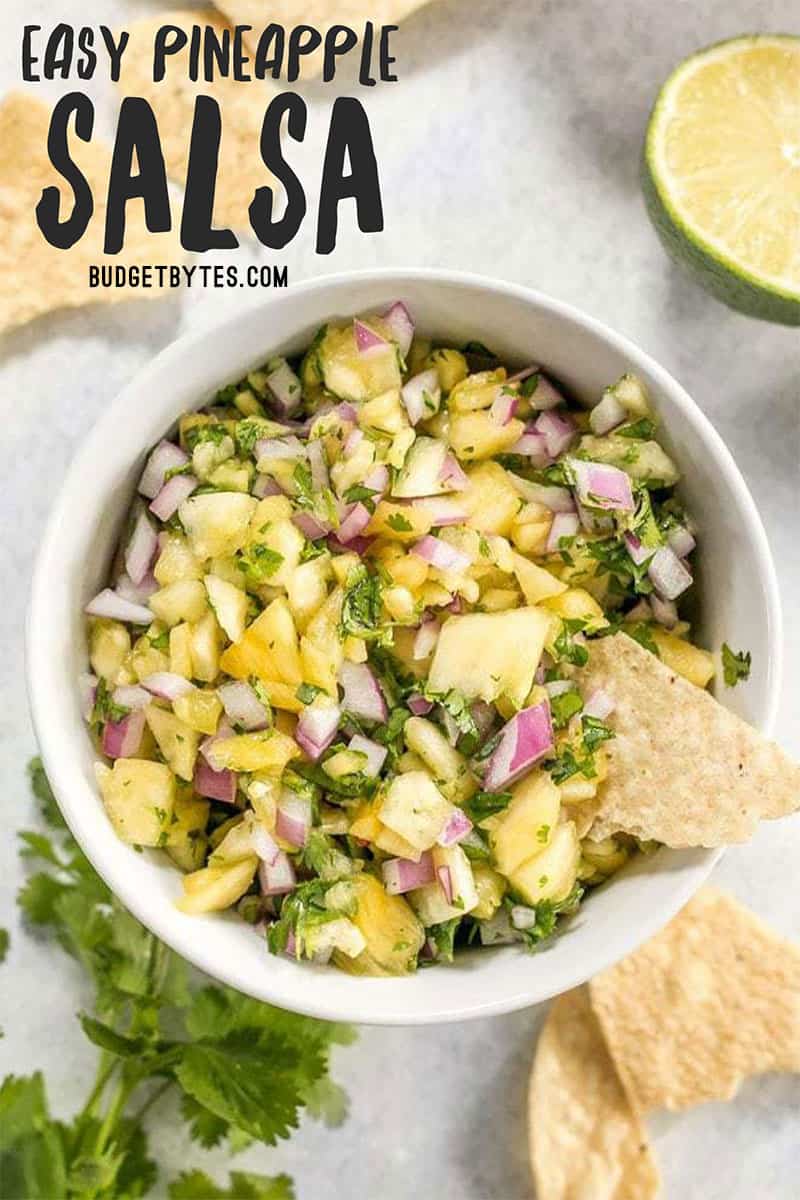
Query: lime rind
727, 278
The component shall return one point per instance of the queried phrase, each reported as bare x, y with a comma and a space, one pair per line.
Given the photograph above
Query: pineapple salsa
337, 675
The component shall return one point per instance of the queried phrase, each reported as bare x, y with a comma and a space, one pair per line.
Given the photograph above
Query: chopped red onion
504, 406
242, 706
426, 639
167, 685
641, 611
599, 705
403, 874
367, 340
638, 552
276, 879
294, 818
557, 429
525, 373
141, 548
600, 485
316, 728
557, 499
319, 466
362, 693
545, 395
136, 593
681, 541
376, 754
263, 844
445, 882
311, 526
377, 480
441, 554
415, 391
419, 706
443, 510
265, 486
131, 696
165, 457
664, 611
172, 495
401, 326
213, 784
87, 690
607, 415
457, 827
353, 440
525, 739
456, 605
285, 388
346, 412
356, 545
564, 525
354, 523
109, 604
533, 446
668, 574
557, 687
279, 449
123, 739
451, 474
224, 731
523, 917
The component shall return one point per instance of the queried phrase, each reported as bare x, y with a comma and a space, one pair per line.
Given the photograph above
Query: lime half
721, 172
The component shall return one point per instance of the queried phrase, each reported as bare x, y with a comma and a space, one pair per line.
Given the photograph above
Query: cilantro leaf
564, 706
4, 940
485, 804
443, 938
399, 523
735, 666
362, 607
244, 1185
326, 1101
259, 563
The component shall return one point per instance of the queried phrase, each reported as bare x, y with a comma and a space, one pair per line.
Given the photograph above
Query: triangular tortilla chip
37, 277
682, 769
320, 14
240, 170
712, 999
586, 1142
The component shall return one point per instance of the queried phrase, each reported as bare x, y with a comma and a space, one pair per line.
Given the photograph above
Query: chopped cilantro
104, 708
642, 430
259, 563
564, 706
528, 386
486, 804
443, 938
735, 666
399, 523
208, 432
361, 606
160, 641
308, 692
357, 492
566, 648
595, 732
312, 550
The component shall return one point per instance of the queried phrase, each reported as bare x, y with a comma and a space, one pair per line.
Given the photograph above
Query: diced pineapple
321, 664
342, 565
645, 462
206, 640
229, 604
531, 537
185, 600
499, 599
176, 560
263, 791
353, 376
350, 471
233, 476
339, 935
186, 841
268, 647
402, 522
448, 767
139, 798
213, 889
366, 824
414, 807
577, 604
208, 455
400, 605
451, 367
281, 537
269, 751
355, 649
606, 856
486, 655
528, 824
430, 901
237, 842
180, 650
550, 875
401, 444
199, 709
491, 887
395, 845
408, 571
393, 934
491, 499
146, 660
307, 589
421, 471
227, 567
681, 656
536, 583
477, 435
344, 762
631, 394
176, 740
476, 391
109, 646
217, 523
385, 413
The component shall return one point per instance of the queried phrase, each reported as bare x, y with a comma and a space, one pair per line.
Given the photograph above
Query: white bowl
739, 605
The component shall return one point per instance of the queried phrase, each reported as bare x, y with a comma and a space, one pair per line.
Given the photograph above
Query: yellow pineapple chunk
139, 797
487, 655
199, 709
477, 435
550, 875
176, 740
176, 561
270, 751
217, 523
229, 604
528, 824
690, 661
180, 650
185, 600
213, 889
206, 639
109, 646
393, 934
491, 499
403, 522
536, 583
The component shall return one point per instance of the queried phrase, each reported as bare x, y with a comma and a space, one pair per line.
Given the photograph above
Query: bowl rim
52, 735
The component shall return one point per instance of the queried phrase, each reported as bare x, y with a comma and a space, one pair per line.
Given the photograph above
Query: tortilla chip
240, 170
712, 999
320, 14
682, 769
37, 277
586, 1141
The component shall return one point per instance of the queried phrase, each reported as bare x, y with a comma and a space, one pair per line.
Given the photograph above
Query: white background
509, 147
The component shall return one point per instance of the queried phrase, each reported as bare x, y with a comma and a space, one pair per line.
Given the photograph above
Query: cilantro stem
154, 1096
104, 1073
115, 1110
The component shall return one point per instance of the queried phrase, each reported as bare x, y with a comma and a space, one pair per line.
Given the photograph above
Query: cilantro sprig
243, 1070
735, 665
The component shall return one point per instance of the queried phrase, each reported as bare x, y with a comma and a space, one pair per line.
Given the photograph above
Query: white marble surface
510, 147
